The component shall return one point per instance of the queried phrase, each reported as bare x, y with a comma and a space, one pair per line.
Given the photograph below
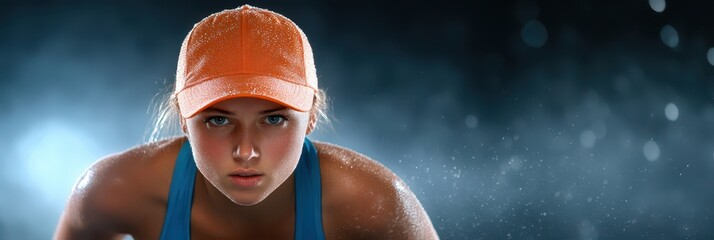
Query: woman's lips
246, 177
246, 181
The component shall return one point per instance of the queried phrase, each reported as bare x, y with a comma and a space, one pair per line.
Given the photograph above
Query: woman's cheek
209, 149
275, 147
283, 147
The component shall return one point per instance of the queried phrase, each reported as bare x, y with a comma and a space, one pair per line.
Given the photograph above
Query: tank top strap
177, 221
308, 195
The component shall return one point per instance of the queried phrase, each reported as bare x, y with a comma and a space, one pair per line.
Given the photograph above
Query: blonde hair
167, 122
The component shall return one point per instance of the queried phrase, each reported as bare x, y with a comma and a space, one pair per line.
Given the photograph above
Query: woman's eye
274, 119
218, 121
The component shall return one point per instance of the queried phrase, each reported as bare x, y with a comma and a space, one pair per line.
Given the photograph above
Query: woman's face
247, 147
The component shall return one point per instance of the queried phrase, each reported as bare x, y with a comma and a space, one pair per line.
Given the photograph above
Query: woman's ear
312, 123
183, 125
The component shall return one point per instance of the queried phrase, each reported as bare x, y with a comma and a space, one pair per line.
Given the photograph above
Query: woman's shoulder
336, 158
145, 169
122, 190
346, 173
363, 198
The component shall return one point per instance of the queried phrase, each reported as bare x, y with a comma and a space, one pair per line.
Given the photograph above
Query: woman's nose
245, 150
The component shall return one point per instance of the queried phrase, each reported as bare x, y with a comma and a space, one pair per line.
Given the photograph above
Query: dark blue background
508, 119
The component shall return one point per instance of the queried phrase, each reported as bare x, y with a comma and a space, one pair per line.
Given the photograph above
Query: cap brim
196, 98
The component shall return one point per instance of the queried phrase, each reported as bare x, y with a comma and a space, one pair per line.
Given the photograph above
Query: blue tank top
308, 196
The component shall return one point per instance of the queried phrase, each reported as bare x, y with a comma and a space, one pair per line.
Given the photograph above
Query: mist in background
509, 120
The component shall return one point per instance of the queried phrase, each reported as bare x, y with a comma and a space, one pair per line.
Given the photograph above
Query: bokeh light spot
471, 121
587, 139
671, 112
669, 36
651, 150
534, 34
658, 5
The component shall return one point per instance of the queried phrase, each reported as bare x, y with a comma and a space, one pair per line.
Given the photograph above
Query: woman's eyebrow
273, 110
213, 109
218, 110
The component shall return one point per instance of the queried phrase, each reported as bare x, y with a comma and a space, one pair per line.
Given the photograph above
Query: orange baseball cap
245, 52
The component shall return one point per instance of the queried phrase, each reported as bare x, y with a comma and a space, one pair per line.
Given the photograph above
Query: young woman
246, 95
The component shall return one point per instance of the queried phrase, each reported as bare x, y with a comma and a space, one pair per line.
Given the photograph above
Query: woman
246, 95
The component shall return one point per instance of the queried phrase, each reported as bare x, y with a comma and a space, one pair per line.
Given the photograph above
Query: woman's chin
247, 199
